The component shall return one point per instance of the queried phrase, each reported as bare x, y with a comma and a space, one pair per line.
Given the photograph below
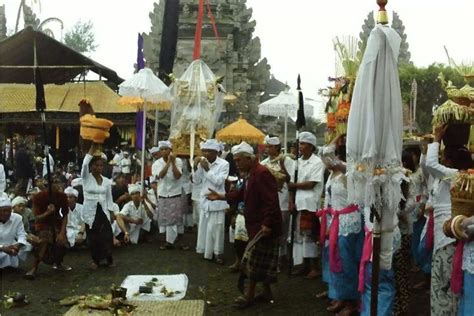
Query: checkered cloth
261, 260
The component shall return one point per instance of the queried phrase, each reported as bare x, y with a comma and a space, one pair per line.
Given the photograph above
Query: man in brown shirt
50, 225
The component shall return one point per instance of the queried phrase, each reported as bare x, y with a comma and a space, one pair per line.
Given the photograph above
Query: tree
397, 25
81, 37
430, 92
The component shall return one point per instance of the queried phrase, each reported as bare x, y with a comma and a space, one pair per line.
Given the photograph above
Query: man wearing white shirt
51, 165
12, 234
75, 227
281, 167
168, 171
211, 173
307, 201
125, 165
133, 217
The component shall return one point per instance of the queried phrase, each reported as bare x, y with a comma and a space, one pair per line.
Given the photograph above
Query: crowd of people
87, 206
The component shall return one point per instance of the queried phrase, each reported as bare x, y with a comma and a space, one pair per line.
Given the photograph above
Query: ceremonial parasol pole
41, 107
196, 56
300, 122
376, 216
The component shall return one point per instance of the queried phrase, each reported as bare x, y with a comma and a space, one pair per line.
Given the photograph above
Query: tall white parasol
284, 105
145, 85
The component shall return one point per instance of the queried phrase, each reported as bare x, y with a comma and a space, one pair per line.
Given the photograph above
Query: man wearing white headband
12, 234
307, 201
19, 207
168, 171
133, 217
211, 174
76, 228
262, 220
281, 167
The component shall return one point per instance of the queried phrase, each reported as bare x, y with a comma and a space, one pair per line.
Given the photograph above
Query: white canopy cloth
285, 105
144, 84
177, 283
374, 134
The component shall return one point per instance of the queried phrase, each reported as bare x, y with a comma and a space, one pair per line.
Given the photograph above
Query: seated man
50, 227
133, 217
19, 207
75, 228
12, 234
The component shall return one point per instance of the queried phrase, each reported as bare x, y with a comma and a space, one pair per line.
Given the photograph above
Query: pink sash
335, 264
457, 274
366, 255
429, 242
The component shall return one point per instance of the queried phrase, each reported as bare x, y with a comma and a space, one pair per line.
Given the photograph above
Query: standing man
281, 167
168, 171
211, 174
262, 220
24, 171
307, 200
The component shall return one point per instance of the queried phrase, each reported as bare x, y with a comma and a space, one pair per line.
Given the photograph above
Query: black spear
300, 123
41, 107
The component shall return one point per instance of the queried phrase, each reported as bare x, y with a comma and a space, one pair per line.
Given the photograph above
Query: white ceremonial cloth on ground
176, 283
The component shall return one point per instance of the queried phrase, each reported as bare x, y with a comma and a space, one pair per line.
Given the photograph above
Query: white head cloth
103, 156
5, 200
211, 144
165, 144
154, 150
76, 182
307, 137
222, 146
71, 191
133, 188
242, 148
271, 140
18, 200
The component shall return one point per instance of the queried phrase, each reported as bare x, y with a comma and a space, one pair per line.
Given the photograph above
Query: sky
296, 35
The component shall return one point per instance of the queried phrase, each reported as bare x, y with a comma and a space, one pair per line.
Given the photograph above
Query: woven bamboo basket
95, 129
462, 194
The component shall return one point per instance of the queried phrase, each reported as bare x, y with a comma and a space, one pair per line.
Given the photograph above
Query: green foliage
430, 92
81, 37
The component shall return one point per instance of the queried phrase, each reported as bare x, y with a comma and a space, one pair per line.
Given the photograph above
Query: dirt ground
207, 281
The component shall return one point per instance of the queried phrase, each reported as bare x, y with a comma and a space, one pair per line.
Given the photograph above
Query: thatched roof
16, 98
59, 63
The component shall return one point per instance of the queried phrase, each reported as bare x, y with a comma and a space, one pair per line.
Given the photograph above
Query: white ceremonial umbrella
145, 85
285, 105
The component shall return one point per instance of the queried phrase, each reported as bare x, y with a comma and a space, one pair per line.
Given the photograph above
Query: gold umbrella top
239, 131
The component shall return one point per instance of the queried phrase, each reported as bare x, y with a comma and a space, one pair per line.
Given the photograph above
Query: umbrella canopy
285, 103
144, 85
239, 131
138, 103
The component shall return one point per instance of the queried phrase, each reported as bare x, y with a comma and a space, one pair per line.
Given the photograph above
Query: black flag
40, 99
169, 39
300, 119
